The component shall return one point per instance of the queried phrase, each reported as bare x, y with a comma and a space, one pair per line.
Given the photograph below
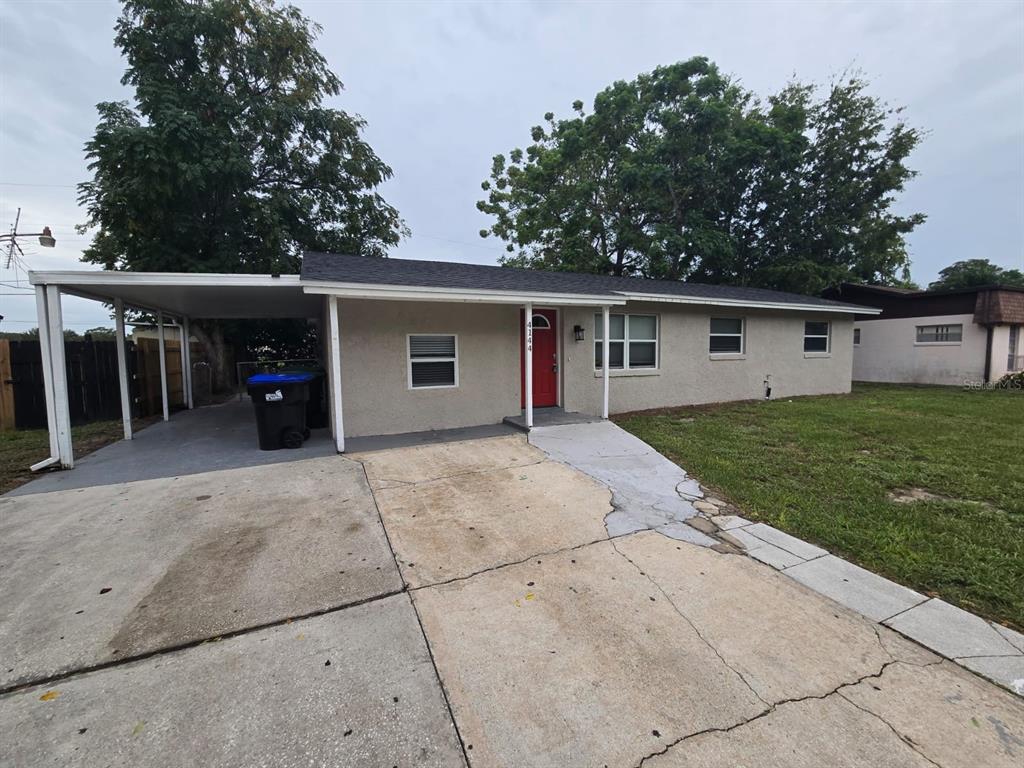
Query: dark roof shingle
368, 270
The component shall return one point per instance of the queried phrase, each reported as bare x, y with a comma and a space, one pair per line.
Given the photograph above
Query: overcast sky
445, 86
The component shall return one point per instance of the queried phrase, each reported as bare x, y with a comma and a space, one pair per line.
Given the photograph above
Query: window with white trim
632, 342
433, 361
817, 335
940, 334
726, 336
856, 337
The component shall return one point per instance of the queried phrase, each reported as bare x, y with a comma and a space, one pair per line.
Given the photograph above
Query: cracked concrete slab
353, 687
856, 588
802, 734
459, 524
574, 659
98, 574
951, 631
784, 640
951, 716
648, 491
761, 550
784, 541
1015, 638
421, 463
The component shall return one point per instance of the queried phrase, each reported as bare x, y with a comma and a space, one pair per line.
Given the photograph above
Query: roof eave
429, 293
748, 304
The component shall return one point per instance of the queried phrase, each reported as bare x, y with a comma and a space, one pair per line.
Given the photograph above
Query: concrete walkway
650, 492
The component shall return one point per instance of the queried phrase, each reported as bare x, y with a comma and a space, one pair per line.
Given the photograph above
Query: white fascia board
185, 279
422, 293
666, 299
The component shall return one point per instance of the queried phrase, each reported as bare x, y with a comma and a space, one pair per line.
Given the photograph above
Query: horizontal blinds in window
433, 374
431, 346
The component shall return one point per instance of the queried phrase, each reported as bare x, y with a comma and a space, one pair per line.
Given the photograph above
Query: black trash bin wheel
291, 438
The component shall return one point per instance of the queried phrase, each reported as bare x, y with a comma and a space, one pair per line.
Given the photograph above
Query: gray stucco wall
376, 398
689, 375
889, 352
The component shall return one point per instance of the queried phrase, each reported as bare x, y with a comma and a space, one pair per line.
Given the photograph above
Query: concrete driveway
450, 604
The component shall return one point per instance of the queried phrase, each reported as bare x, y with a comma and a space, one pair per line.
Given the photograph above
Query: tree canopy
974, 272
228, 159
684, 174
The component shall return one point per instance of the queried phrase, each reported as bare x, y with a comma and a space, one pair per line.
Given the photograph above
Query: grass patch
822, 468
21, 449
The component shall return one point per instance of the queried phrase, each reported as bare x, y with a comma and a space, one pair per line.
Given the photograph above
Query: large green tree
228, 160
975, 272
683, 174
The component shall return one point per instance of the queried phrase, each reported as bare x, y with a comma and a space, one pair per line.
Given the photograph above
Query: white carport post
122, 368
334, 351
186, 362
528, 352
163, 363
43, 319
605, 362
59, 372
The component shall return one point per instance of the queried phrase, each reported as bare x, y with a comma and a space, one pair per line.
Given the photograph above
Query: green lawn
20, 450
822, 469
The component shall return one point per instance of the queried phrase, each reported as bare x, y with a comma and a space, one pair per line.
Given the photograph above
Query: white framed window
433, 360
817, 336
940, 334
856, 337
632, 342
726, 337
1014, 362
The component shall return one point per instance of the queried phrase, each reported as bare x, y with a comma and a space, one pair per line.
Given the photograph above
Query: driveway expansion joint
180, 647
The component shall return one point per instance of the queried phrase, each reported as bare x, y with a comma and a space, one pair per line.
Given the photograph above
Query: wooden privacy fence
93, 388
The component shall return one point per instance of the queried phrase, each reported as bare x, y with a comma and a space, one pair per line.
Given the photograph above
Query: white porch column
187, 362
43, 317
334, 351
606, 363
122, 368
163, 363
59, 372
181, 360
528, 351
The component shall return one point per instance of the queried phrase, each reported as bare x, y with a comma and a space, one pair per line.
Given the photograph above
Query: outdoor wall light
577, 332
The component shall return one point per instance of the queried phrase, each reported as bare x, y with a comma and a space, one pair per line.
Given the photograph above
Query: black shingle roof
341, 268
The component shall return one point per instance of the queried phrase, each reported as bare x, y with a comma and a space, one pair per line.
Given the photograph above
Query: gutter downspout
988, 354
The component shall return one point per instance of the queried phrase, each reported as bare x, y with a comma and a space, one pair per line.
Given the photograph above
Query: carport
178, 297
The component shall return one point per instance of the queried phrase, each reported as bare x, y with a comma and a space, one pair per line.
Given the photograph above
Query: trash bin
316, 406
279, 400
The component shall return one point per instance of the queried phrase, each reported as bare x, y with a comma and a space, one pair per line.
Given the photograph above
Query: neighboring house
421, 345
955, 337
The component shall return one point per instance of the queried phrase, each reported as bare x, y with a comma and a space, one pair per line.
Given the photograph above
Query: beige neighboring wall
376, 398
688, 374
889, 352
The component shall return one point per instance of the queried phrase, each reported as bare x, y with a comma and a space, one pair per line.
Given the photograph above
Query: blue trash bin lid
280, 378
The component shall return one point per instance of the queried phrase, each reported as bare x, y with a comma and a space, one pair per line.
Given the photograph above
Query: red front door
545, 358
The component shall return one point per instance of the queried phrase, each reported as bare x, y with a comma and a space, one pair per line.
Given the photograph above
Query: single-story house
422, 345
956, 337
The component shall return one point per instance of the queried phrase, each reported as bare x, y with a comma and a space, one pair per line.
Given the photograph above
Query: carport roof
195, 295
